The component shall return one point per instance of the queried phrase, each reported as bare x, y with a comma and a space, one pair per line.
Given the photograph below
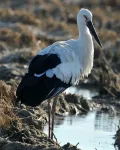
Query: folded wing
35, 86
49, 74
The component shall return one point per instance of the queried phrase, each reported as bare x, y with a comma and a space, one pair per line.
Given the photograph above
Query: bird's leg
53, 115
49, 122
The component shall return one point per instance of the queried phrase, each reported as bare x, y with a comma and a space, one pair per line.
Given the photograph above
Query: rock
69, 146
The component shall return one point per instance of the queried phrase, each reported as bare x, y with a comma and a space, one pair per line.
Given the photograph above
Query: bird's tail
28, 91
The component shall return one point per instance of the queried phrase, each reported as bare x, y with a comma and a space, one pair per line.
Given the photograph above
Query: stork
59, 66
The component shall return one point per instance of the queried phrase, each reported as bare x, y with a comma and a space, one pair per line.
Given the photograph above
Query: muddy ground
27, 26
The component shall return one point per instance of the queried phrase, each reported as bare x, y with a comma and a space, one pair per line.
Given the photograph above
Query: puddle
92, 130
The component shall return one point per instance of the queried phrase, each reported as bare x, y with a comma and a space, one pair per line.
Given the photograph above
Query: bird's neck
82, 29
86, 49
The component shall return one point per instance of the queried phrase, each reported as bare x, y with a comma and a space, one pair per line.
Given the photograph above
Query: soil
26, 27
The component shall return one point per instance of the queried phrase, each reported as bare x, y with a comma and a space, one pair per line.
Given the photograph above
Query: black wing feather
54, 92
33, 90
42, 63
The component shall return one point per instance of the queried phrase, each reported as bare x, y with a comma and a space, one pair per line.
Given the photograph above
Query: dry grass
7, 98
21, 16
99, 12
17, 39
72, 98
50, 24
10, 37
105, 34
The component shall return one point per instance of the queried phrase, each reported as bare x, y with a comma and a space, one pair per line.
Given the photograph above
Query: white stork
59, 65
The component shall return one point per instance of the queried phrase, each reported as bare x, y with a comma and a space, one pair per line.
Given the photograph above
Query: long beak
93, 32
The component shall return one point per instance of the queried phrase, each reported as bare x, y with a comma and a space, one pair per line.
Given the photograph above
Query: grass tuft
17, 39
7, 99
15, 16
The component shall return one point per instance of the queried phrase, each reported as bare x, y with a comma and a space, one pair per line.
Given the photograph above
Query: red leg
49, 122
53, 116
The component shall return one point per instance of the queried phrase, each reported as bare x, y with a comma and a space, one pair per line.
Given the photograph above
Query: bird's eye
86, 18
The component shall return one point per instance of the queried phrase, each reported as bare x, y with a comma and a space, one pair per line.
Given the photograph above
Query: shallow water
87, 93
92, 130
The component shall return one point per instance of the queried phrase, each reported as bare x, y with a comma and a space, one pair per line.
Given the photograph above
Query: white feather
70, 69
76, 55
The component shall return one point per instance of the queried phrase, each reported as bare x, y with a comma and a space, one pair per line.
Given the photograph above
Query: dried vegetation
25, 23
17, 39
7, 100
13, 16
29, 25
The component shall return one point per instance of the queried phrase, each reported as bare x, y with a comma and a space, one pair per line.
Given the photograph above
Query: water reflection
87, 93
102, 121
106, 122
59, 120
92, 130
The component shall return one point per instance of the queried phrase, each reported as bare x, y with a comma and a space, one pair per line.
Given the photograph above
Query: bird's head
84, 17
